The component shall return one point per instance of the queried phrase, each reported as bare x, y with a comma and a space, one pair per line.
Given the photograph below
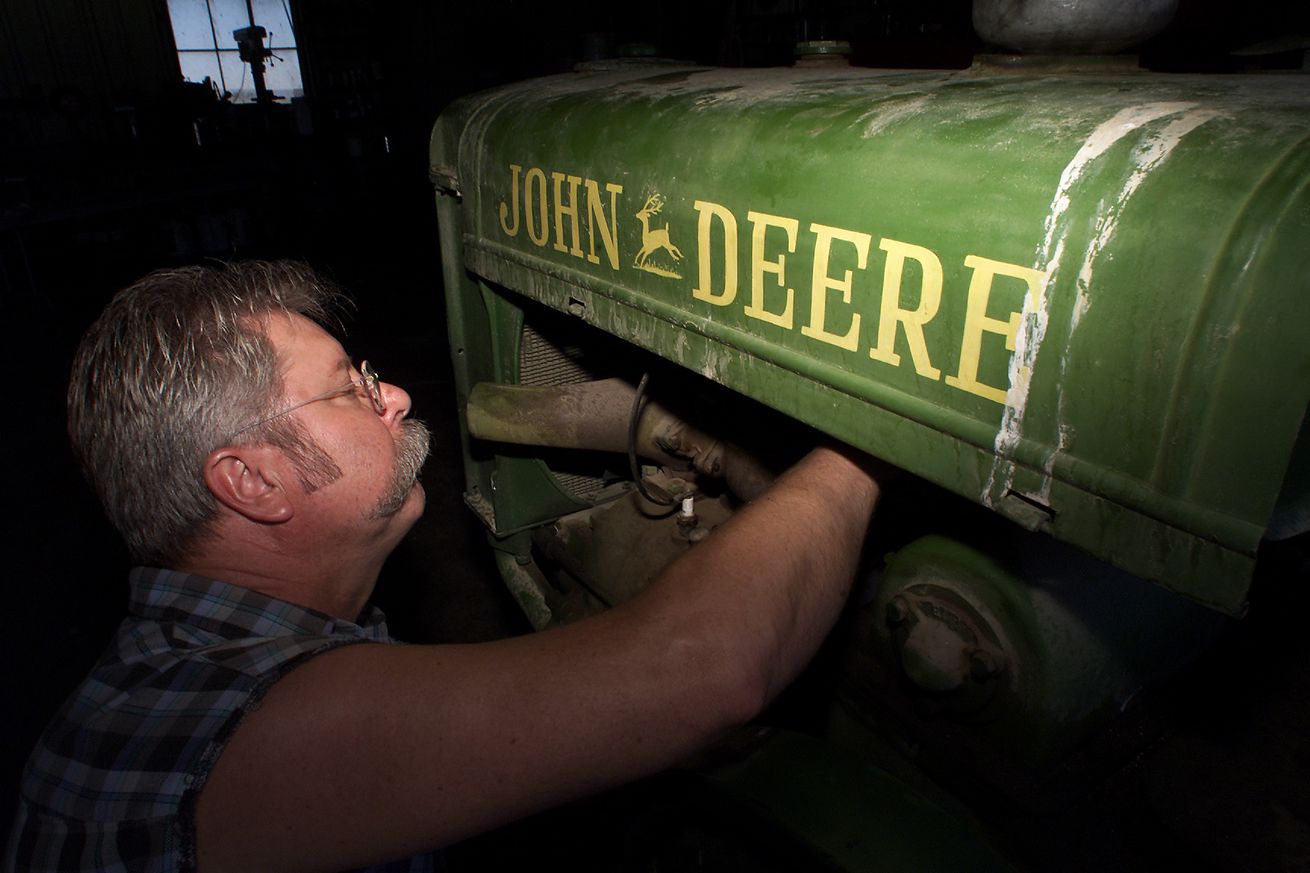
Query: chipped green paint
1077, 298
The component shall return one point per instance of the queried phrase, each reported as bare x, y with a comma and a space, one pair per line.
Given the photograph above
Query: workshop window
206, 48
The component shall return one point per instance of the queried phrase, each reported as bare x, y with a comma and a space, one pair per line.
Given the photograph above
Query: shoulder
119, 764
147, 715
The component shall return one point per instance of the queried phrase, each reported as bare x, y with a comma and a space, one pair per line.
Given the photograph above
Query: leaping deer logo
654, 239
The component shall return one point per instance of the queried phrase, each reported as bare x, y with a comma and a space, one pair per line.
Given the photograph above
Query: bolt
898, 610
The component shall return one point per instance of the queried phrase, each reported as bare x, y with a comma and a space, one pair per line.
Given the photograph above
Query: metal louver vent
543, 362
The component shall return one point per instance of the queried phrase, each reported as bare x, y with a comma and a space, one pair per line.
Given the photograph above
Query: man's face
379, 454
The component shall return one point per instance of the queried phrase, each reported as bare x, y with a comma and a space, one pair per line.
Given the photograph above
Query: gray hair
174, 366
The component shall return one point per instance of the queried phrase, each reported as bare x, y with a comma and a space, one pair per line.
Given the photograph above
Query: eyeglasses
368, 381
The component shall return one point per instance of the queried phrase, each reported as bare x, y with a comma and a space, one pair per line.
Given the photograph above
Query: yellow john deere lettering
833, 313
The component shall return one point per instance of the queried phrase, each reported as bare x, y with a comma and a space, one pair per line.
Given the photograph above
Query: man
250, 715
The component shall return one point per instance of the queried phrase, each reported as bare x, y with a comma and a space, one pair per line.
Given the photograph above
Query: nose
397, 401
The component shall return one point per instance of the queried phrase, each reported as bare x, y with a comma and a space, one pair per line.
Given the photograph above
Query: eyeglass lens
374, 386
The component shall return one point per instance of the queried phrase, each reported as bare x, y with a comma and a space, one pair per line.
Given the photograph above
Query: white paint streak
712, 366
680, 345
1034, 317
1146, 158
885, 118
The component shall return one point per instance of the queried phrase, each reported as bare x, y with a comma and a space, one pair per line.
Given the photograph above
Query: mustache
411, 452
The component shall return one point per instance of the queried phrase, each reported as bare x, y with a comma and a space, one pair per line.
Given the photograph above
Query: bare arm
373, 752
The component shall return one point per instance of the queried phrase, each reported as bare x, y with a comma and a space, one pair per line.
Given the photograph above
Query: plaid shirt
113, 781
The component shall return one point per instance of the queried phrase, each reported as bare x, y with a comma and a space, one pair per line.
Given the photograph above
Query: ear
248, 480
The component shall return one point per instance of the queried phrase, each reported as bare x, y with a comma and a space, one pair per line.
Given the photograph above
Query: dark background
110, 166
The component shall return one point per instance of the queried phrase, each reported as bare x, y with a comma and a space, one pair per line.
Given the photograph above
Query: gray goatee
411, 452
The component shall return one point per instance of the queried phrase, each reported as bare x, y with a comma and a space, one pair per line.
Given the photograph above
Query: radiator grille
545, 361
542, 362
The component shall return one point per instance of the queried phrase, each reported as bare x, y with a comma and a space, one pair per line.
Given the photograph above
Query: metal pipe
594, 416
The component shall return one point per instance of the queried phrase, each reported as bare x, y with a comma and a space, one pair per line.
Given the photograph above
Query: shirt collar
170, 595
